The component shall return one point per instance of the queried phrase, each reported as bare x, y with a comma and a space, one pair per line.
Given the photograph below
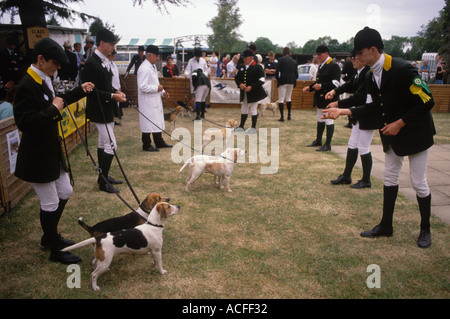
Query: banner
78, 110
225, 91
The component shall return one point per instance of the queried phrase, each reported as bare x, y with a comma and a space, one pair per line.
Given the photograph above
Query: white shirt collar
377, 69
39, 72
105, 60
45, 78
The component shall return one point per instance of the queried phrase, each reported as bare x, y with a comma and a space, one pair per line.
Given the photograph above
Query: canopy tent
133, 43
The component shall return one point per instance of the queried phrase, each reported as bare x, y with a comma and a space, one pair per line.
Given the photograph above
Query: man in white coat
150, 94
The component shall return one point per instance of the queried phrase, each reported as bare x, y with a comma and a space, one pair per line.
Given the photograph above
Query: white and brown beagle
171, 117
221, 167
269, 106
141, 239
129, 220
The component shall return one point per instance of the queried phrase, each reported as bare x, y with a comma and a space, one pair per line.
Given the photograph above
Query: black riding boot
424, 240
385, 227
105, 165
289, 106
281, 108
51, 238
243, 120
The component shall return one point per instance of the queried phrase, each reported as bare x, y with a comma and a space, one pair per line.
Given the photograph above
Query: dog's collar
159, 226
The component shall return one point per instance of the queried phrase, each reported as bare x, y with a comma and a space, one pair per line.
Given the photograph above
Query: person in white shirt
150, 93
197, 62
116, 85
214, 62
232, 66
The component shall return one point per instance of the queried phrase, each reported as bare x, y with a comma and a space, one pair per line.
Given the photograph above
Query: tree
98, 25
294, 48
161, 4
264, 45
225, 26
32, 12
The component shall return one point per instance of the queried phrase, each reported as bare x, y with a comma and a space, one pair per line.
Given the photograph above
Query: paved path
438, 175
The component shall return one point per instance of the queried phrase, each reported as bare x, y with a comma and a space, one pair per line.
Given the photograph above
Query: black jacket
40, 152
136, 61
287, 72
199, 78
99, 103
357, 86
69, 71
327, 73
252, 76
395, 100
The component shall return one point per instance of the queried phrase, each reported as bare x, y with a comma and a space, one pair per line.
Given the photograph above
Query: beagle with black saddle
141, 239
130, 220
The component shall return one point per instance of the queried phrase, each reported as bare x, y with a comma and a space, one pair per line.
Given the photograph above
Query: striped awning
135, 42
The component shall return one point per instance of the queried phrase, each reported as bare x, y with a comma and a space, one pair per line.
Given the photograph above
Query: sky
281, 21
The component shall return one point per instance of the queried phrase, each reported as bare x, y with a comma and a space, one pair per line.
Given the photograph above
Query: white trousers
50, 193
417, 171
285, 93
320, 114
103, 137
247, 108
360, 139
201, 93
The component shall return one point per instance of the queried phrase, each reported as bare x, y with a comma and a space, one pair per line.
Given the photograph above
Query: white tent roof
135, 42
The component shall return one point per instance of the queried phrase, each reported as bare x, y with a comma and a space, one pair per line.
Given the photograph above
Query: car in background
303, 72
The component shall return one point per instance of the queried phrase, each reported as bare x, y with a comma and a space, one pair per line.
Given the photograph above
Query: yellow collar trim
329, 61
34, 75
387, 62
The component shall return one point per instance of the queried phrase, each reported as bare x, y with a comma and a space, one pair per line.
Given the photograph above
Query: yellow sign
78, 110
36, 34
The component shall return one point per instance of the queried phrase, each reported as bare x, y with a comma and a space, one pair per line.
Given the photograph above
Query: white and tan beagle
220, 166
171, 117
141, 239
222, 134
269, 106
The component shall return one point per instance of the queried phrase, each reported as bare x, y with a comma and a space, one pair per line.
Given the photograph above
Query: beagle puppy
172, 116
270, 106
221, 167
223, 133
130, 220
141, 239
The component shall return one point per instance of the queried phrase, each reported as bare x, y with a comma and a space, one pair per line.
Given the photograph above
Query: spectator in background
213, 63
425, 71
219, 73
89, 47
440, 72
314, 68
80, 60
136, 61
270, 67
232, 66
170, 70
6, 108
10, 62
69, 71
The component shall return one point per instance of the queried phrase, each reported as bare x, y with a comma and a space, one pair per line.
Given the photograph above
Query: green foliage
224, 26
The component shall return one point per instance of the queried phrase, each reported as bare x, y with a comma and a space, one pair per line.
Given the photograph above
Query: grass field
287, 235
